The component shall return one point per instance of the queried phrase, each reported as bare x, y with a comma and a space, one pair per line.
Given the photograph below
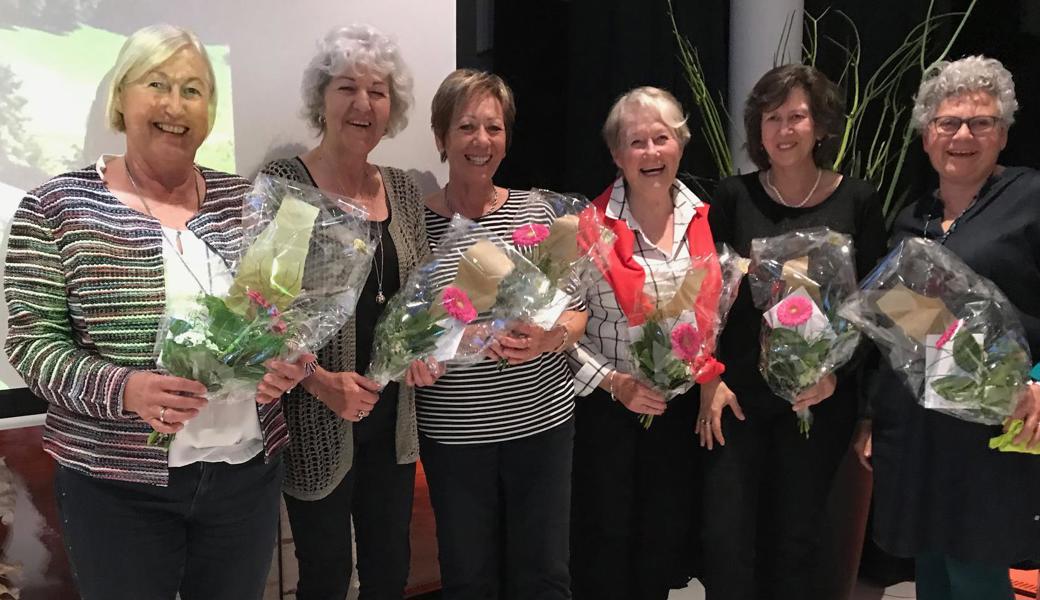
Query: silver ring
361, 414
704, 421
162, 414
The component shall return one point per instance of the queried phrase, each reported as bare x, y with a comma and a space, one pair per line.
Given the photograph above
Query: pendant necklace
780, 197
380, 297
178, 248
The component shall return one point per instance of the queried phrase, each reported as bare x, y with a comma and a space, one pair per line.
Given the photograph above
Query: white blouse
220, 432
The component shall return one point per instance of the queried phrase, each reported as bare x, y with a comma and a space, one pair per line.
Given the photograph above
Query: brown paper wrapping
796, 275
917, 315
686, 296
481, 268
562, 243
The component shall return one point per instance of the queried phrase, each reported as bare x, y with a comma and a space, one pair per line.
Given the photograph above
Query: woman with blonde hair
94, 260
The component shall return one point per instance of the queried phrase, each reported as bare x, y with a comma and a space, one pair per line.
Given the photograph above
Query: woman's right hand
349, 395
163, 401
636, 397
715, 395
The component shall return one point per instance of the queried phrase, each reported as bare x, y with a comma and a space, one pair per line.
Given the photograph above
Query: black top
383, 418
741, 210
937, 485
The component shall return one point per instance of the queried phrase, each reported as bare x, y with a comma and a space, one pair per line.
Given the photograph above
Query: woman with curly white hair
963, 511
353, 444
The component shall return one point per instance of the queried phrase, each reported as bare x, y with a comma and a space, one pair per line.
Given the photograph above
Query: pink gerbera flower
686, 342
794, 311
457, 304
258, 298
948, 334
533, 234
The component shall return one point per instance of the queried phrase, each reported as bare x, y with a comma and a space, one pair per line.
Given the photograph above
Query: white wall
269, 44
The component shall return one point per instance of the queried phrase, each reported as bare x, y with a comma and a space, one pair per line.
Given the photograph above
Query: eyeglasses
979, 125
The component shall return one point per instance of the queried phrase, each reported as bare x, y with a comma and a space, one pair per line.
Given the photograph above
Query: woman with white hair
633, 495
95, 258
963, 511
353, 446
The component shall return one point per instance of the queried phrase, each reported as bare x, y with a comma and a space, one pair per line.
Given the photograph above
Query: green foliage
881, 101
227, 345
400, 336
793, 362
653, 355
993, 376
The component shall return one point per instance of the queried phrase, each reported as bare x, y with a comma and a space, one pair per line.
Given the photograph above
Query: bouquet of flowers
304, 259
432, 318
565, 239
677, 320
951, 332
564, 236
799, 279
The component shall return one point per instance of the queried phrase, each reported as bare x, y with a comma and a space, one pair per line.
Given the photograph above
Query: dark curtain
568, 61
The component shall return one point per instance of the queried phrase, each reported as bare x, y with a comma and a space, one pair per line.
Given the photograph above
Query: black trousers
378, 493
765, 495
209, 535
633, 499
503, 515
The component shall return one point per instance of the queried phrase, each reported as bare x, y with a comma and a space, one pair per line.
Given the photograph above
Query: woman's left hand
422, 373
823, 389
281, 377
1028, 411
525, 341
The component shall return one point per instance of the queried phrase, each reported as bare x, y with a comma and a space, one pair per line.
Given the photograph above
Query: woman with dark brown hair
765, 482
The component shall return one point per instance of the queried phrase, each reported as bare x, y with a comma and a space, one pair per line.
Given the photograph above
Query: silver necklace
178, 247
380, 298
780, 197
488, 206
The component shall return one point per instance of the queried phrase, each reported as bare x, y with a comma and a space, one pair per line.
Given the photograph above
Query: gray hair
656, 99
965, 76
145, 50
352, 49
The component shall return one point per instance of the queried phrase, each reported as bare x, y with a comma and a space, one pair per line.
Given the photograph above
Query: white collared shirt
604, 347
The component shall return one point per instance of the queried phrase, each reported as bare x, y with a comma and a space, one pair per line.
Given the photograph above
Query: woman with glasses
963, 511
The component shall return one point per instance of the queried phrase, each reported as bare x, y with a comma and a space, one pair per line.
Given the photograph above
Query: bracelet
613, 376
563, 342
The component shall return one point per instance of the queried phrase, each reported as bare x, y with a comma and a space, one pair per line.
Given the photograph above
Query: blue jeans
209, 535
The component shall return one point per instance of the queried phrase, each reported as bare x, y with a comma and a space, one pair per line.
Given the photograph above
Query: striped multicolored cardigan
85, 290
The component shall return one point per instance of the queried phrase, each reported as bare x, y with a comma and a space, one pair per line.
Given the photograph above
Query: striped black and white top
477, 403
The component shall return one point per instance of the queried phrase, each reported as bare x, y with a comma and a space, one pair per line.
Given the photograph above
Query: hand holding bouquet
304, 259
951, 332
799, 280
674, 329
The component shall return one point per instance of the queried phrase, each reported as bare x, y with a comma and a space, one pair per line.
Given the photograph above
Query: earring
321, 120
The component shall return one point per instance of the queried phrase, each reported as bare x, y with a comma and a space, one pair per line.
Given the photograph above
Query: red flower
686, 342
258, 298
